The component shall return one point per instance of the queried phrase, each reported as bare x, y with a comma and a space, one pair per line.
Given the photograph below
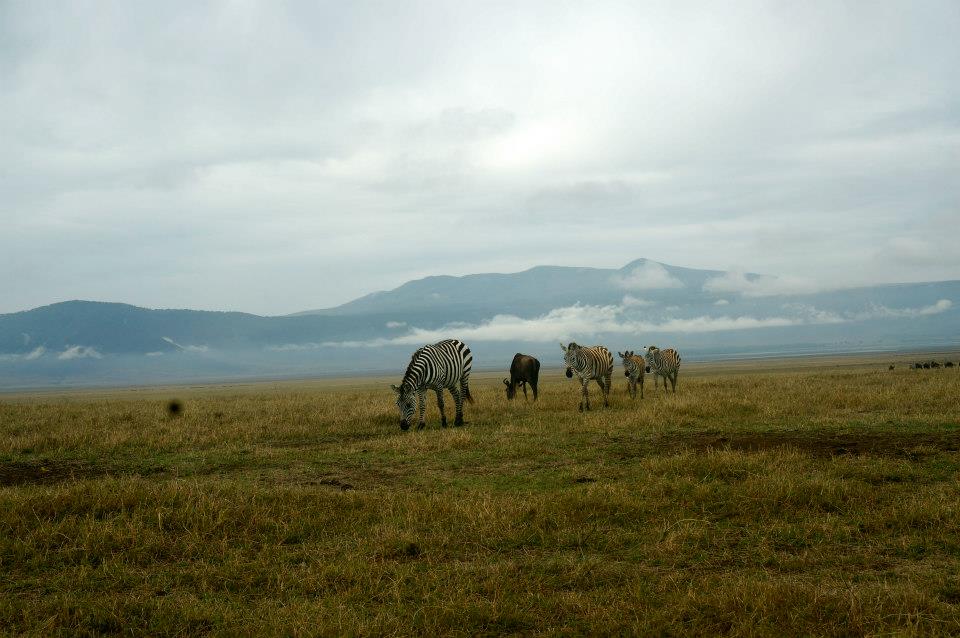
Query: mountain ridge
498, 313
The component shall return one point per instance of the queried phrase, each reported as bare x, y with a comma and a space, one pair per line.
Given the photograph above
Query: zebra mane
406, 375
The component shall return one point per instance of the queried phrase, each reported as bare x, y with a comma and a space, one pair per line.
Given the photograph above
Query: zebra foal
633, 369
590, 364
442, 366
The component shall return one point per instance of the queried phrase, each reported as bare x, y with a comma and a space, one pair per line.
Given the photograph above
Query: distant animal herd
446, 365
926, 365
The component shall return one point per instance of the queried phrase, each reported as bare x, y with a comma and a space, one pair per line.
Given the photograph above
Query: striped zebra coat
438, 367
633, 369
590, 364
664, 363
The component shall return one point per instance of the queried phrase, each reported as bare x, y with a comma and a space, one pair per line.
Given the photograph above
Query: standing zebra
633, 368
443, 365
591, 364
664, 363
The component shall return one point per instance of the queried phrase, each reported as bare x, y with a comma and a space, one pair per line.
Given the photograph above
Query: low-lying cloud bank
187, 348
79, 352
760, 285
584, 321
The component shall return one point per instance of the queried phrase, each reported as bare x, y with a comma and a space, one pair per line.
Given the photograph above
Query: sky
274, 157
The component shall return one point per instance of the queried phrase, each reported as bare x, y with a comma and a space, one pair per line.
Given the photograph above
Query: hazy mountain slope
535, 290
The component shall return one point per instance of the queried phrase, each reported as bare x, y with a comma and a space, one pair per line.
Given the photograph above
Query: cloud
396, 324
760, 285
878, 311
79, 352
185, 348
721, 302
586, 321
648, 276
33, 355
770, 123
294, 347
629, 301
154, 354
570, 322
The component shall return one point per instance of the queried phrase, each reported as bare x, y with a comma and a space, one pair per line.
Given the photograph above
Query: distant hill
532, 291
707, 313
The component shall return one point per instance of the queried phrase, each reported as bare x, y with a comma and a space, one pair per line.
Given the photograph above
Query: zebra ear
621, 355
563, 347
395, 389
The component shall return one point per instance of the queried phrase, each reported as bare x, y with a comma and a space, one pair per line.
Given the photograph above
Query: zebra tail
466, 394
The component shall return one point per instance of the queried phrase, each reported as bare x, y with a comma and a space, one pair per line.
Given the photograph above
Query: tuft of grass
818, 502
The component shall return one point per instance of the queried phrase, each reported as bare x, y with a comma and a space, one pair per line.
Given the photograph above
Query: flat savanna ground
815, 496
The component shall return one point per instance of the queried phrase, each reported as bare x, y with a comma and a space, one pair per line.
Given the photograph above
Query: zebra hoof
458, 423
443, 423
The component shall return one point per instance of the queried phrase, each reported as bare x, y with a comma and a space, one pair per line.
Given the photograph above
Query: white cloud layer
760, 285
648, 276
585, 321
79, 352
187, 348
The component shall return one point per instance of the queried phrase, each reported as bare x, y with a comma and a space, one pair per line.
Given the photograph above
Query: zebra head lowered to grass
589, 363
664, 363
633, 369
443, 365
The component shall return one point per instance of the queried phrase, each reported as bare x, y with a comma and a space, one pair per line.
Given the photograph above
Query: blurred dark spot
585, 479
174, 408
569, 373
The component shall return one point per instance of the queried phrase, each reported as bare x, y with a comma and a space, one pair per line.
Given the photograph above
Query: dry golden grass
823, 502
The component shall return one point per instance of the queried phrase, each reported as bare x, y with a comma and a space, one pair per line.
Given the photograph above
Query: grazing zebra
443, 365
591, 364
633, 368
664, 363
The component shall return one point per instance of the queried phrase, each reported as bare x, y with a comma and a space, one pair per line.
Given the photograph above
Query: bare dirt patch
45, 472
908, 445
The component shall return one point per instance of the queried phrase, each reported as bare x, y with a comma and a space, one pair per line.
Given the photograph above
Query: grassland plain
818, 502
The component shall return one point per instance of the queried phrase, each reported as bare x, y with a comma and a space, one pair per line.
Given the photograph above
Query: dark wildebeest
926, 366
891, 367
948, 364
524, 369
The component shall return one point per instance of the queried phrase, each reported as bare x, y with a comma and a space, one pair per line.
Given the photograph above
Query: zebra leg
641, 387
422, 404
585, 399
632, 386
443, 415
673, 383
606, 385
458, 401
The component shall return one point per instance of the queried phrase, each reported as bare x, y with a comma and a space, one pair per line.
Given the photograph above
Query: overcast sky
274, 157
